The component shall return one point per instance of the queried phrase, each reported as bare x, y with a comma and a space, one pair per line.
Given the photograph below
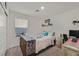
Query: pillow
45, 33
49, 34
74, 39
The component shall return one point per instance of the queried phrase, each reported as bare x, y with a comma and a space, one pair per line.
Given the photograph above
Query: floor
15, 51
52, 51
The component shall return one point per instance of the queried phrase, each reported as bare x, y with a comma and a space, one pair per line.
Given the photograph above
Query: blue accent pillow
45, 33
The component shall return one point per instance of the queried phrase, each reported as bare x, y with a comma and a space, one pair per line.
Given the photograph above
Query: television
74, 33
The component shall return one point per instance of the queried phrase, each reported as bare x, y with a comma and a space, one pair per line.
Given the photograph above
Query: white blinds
21, 23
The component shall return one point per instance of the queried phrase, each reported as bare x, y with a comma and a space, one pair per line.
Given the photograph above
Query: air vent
37, 10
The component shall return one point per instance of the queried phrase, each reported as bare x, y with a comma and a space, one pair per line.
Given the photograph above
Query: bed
42, 43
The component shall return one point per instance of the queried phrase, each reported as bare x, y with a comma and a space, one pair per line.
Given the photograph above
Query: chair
65, 38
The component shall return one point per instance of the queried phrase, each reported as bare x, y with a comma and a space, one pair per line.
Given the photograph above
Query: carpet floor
53, 51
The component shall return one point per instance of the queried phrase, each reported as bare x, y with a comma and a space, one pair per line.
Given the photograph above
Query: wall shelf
47, 23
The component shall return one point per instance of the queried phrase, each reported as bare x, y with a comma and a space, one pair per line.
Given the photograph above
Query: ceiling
51, 8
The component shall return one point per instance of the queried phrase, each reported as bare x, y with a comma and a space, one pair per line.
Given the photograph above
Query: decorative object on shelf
47, 23
53, 34
75, 22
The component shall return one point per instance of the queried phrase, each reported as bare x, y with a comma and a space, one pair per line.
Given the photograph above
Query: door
2, 31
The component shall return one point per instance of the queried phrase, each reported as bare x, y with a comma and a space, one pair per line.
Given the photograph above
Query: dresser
27, 46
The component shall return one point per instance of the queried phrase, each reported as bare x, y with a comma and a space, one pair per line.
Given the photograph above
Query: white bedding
42, 43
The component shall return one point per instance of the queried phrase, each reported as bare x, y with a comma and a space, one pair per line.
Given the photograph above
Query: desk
27, 46
70, 49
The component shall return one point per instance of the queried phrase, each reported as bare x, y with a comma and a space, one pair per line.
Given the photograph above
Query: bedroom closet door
2, 31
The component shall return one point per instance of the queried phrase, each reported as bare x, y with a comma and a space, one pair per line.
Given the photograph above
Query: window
21, 26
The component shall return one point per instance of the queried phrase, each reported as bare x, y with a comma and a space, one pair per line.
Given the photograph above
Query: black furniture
65, 38
74, 33
54, 42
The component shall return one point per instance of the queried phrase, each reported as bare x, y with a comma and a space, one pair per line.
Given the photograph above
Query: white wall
35, 25
2, 32
12, 41
63, 22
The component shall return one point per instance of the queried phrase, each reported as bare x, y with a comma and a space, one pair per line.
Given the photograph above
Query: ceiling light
42, 7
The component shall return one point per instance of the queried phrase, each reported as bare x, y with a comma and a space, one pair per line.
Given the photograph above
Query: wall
12, 41
2, 32
35, 25
63, 22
